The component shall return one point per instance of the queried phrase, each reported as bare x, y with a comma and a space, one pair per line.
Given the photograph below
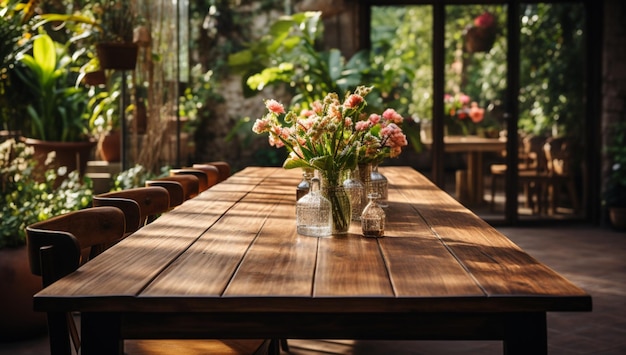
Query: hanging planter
118, 56
95, 78
480, 36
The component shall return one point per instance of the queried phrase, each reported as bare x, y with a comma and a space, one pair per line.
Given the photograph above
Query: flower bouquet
462, 116
331, 137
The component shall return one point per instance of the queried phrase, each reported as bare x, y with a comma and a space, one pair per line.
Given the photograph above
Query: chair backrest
533, 152
223, 167
559, 153
55, 249
189, 184
140, 205
212, 172
174, 189
90, 228
203, 179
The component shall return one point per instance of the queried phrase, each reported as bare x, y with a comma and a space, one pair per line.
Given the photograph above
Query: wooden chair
54, 251
211, 171
189, 185
140, 205
223, 167
56, 248
203, 178
559, 154
531, 172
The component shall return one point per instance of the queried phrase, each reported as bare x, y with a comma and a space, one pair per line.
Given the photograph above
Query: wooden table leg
526, 333
475, 178
100, 334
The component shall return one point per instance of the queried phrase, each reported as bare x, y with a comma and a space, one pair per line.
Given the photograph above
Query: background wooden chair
54, 250
189, 184
212, 172
560, 153
223, 167
531, 172
203, 178
140, 205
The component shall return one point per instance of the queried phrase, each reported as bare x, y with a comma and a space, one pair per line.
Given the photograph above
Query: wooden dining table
229, 264
470, 182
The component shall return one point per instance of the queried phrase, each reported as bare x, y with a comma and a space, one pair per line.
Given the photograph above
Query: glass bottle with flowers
383, 138
326, 136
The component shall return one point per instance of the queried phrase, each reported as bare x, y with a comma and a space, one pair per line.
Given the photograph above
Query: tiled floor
594, 258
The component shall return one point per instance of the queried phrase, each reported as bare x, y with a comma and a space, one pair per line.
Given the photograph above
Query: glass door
470, 65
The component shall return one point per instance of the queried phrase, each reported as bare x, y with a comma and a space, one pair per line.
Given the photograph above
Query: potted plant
480, 36
27, 199
55, 111
115, 47
104, 120
110, 26
615, 192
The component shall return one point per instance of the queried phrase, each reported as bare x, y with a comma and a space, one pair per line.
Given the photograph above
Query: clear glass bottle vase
373, 181
313, 213
355, 190
373, 218
333, 190
380, 185
304, 185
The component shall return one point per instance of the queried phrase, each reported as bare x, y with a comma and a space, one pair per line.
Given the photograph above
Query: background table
229, 264
470, 184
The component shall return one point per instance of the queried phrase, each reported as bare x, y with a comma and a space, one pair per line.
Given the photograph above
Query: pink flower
362, 126
392, 116
464, 99
274, 106
318, 107
353, 101
275, 142
476, 113
261, 125
374, 118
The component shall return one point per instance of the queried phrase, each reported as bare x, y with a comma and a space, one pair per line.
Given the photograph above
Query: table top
234, 248
456, 144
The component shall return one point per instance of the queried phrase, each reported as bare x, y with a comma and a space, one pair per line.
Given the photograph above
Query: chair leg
493, 192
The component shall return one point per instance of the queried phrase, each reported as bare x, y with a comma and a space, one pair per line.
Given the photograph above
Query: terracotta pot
18, 320
617, 215
95, 78
119, 56
479, 39
73, 155
109, 146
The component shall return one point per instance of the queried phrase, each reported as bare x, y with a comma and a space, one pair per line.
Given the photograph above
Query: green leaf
44, 54
241, 58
